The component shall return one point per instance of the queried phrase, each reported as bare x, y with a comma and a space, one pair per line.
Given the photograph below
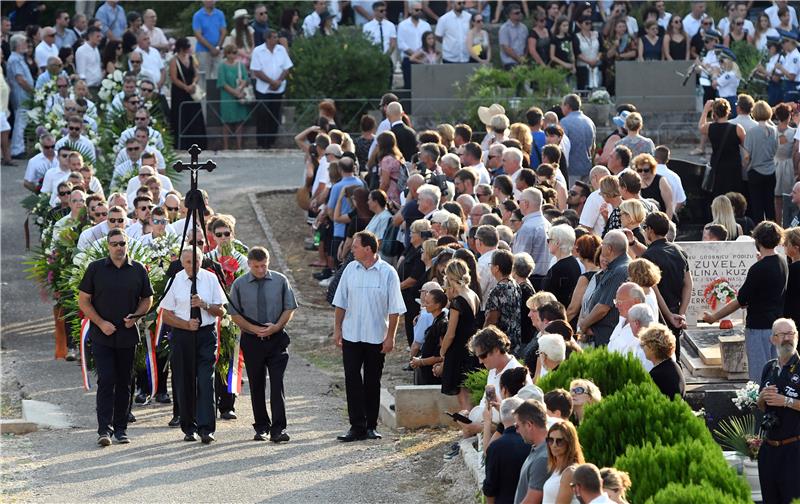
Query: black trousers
269, 118
192, 362
264, 357
363, 392
225, 400
761, 204
114, 369
777, 473
405, 66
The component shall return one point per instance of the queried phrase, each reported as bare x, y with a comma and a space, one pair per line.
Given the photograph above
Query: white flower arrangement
747, 396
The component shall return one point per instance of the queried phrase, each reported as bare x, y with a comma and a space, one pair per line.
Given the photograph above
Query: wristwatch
788, 402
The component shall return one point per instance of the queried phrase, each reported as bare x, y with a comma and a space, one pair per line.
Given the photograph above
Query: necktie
262, 301
380, 27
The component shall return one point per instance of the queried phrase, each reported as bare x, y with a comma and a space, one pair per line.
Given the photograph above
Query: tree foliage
676, 493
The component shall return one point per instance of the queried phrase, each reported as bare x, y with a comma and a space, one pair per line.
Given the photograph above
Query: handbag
199, 93
249, 95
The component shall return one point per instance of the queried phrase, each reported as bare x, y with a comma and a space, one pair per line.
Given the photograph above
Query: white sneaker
325, 283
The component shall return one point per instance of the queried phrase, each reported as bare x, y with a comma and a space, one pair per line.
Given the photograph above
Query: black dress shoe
131, 418
373, 434
322, 275
175, 422
140, 398
351, 436
280, 437
207, 437
163, 398
122, 438
260, 436
228, 415
191, 437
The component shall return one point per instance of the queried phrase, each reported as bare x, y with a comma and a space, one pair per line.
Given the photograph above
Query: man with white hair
603, 316
512, 166
47, 48
450, 164
428, 197
486, 239
505, 456
466, 201
152, 63
532, 234
552, 350
494, 159
622, 340
20, 82
406, 137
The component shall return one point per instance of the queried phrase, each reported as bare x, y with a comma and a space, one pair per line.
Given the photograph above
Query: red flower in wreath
229, 267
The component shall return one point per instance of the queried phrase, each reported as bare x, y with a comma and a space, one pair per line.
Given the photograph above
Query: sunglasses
556, 441
117, 243
63, 193
48, 146
133, 148
172, 209
643, 170
578, 391
101, 214
482, 355
143, 208
74, 129
136, 61
158, 222
148, 90
62, 86
116, 221
225, 234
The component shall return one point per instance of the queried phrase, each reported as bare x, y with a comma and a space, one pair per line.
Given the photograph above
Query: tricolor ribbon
235, 369
150, 362
219, 331
159, 325
85, 325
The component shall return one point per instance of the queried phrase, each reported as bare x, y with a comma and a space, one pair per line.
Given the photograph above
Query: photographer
779, 399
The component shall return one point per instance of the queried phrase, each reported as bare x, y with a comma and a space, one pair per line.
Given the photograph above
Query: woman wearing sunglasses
564, 453
583, 393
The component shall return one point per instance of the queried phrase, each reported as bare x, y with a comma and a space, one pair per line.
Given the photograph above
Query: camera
770, 421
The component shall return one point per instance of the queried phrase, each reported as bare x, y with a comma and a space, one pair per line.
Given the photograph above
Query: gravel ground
67, 466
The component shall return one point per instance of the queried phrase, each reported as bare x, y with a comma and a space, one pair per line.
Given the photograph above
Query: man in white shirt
146, 170
587, 485
676, 184
47, 48
409, 38
142, 135
663, 15
193, 344
691, 23
471, 158
622, 339
486, 240
76, 140
116, 220
772, 12
41, 163
270, 65
123, 171
57, 174
77, 202
451, 31
381, 31
142, 205
87, 58
312, 21
151, 59
142, 120
512, 166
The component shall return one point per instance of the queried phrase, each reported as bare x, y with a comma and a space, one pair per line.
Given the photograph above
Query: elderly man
494, 159
368, 304
270, 65
145, 172
77, 202
194, 343
267, 301
486, 240
623, 340
581, 133
779, 399
450, 164
47, 48
406, 137
117, 219
20, 82
40, 164
152, 63
512, 166
603, 316
53, 69
796, 201
532, 235
113, 294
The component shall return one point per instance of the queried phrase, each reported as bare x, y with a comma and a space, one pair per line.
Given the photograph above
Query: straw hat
485, 114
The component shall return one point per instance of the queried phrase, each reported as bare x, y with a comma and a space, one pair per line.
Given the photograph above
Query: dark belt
783, 442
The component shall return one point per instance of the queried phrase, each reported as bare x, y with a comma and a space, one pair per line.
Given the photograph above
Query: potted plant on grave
741, 435
598, 107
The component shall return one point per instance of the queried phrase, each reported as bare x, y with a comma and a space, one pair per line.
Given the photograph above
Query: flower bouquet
718, 291
740, 433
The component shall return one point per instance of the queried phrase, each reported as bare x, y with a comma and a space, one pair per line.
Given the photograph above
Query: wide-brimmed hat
619, 120
240, 13
788, 35
485, 114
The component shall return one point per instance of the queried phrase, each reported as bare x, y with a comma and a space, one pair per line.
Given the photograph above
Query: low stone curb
473, 460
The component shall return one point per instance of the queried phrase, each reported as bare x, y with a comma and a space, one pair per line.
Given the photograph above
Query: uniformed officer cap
712, 34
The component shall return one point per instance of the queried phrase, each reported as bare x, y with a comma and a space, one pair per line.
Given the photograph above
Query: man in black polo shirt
675, 287
779, 399
114, 292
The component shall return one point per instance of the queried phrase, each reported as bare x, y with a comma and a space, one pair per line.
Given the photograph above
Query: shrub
633, 416
610, 371
689, 462
475, 382
341, 66
676, 493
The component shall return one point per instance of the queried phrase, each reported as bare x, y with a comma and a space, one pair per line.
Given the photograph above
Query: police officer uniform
779, 455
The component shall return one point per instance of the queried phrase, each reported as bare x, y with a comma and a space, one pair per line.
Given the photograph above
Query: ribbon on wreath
235, 369
85, 325
150, 363
159, 325
219, 329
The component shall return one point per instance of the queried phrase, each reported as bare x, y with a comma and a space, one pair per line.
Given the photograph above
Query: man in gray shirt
581, 133
513, 38
266, 298
531, 420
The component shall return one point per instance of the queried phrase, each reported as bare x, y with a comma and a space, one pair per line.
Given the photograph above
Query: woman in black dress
658, 344
563, 275
462, 324
725, 138
676, 41
188, 122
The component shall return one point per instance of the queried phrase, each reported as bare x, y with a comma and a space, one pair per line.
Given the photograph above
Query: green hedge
633, 416
676, 493
689, 462
610, 371
475, 382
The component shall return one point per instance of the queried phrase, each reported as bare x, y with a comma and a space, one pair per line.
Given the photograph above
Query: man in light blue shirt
20, 83
112, 20
368, 305
580, 131
209, 28
532, 235
347, 167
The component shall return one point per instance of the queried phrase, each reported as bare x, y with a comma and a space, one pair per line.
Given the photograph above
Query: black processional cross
196, 208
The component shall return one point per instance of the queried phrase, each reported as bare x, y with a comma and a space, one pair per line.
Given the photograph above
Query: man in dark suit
406, 137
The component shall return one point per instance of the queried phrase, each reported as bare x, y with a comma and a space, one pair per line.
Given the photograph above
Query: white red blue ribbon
150, 362
159, 324
85, 325
235, 369
219, 331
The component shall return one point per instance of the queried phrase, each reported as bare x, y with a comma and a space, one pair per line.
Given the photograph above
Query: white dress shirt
409, 35
153, 134
590, 215
272, 63
453, 30
691, 25
134, 184
675, 183
483, 173
83, 142
92, 234
38, 166
44, 51
151, 62
53, 177
88, 64
623, 341
775, 21
178, 297
311, 24
373, 31
122, 156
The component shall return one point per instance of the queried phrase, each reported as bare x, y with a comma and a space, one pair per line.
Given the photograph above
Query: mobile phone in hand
458, 417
